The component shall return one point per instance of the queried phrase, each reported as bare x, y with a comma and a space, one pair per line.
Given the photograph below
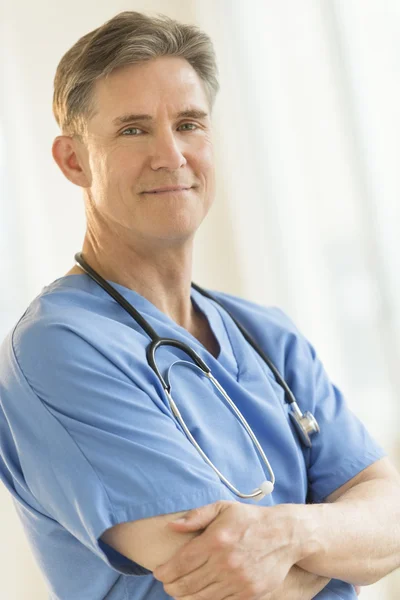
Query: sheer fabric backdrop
306, 214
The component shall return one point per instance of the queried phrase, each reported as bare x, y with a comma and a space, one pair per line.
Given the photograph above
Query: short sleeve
95, 449
337, 590
343, 447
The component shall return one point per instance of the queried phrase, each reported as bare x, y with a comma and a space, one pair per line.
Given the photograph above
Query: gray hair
128, 38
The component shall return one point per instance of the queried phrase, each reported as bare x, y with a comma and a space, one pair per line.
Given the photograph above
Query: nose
166, 151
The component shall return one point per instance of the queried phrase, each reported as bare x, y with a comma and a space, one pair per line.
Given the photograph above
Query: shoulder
59, 322
255, 314
272, 329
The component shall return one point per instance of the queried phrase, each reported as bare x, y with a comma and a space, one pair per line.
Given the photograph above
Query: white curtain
309, 135
306, 214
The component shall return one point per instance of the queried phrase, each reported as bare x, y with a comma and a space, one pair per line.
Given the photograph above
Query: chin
172, 234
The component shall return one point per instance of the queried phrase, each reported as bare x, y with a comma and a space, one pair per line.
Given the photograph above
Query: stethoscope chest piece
305, 424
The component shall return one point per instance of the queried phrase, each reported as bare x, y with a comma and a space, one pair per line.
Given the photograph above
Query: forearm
299, 585
357, 537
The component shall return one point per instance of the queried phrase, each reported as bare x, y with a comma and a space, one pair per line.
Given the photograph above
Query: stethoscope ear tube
266, 487
289, 395
135, 314
151, 350
305, 424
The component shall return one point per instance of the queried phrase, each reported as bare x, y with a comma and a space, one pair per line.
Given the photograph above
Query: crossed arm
354, 536
284, 552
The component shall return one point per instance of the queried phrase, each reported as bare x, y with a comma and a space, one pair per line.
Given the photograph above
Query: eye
131, 129
190, 124
137, 129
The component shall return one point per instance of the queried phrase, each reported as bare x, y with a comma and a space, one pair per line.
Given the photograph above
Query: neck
161, 275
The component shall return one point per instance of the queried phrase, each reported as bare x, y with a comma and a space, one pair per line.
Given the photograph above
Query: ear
69, 156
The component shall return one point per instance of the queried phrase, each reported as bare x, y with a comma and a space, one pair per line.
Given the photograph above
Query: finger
189, 558
193, 582
216, 591
199, 518
185, 526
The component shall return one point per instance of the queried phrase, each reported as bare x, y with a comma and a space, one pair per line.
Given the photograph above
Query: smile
170, 192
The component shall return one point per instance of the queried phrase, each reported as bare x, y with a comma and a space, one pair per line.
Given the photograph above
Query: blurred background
307, 212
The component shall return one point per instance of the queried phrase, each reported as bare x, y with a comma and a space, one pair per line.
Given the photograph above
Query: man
98, 467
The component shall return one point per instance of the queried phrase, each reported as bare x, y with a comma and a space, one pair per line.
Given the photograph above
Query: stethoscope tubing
305, 424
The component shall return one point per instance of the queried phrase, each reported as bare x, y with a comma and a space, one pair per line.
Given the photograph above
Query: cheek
99, 166
114, 173
202, 162
208, 169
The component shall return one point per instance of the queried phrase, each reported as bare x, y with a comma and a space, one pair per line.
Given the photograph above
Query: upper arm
99, 452
343, 448
381, 469
148, 542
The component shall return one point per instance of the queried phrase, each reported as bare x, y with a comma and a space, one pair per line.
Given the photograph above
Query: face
126, 156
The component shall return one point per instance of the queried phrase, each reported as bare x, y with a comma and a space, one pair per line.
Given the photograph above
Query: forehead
158, 84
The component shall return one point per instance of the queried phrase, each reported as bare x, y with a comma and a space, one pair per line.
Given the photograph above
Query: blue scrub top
87, 439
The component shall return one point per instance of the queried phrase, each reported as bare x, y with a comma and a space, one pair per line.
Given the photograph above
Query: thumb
199, 518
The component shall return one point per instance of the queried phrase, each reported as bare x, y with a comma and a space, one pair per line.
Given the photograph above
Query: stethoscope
305, 424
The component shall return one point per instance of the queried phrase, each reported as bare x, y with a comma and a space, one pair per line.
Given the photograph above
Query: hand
246, 551
298, 585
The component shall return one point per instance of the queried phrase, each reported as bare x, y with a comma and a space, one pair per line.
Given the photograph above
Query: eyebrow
192, 113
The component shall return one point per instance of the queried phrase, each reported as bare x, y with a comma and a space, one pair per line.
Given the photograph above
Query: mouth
169, 192
165, 192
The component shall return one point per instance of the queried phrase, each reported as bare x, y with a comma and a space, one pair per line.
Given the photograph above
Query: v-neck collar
210, 310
